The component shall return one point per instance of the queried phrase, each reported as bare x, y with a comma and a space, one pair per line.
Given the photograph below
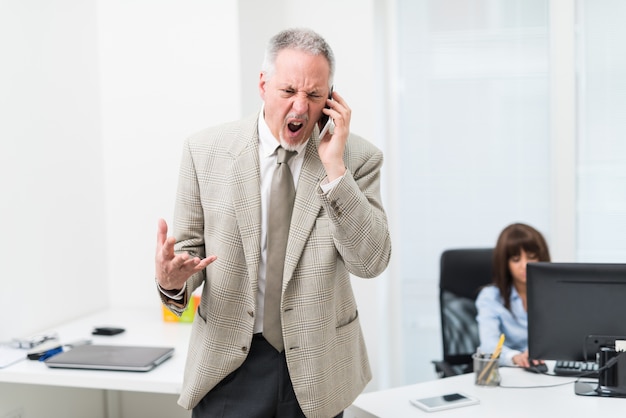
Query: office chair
462, 273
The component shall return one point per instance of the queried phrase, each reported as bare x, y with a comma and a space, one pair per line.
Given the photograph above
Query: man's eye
288, 91
317, 97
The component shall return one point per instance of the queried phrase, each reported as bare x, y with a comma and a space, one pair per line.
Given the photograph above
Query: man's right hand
172, 270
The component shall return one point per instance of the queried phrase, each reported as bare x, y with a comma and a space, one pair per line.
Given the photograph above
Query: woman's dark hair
512, 240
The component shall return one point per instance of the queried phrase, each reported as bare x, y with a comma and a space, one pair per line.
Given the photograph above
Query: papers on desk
10, 355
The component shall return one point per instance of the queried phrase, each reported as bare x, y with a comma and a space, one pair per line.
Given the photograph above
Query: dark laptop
111, 357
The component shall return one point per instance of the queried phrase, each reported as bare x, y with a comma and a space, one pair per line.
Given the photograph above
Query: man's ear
262, 83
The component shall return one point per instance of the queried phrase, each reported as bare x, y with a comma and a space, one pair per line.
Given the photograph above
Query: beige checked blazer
218, 206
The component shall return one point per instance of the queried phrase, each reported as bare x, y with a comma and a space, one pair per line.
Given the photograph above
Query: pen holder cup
486, 371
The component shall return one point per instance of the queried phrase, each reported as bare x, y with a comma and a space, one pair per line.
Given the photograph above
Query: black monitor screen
574, 309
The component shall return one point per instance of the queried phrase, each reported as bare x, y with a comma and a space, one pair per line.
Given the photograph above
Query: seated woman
502, 305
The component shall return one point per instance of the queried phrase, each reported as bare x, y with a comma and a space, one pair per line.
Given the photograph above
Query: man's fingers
168, 248
196, 264
161, 231
178, 262
165, 244
205, 262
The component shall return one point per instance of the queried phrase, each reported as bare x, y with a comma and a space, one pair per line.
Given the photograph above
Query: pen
498, 350
44, 354
51, 353
495, 355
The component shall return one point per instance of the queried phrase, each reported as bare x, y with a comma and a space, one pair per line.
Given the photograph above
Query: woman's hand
522, 360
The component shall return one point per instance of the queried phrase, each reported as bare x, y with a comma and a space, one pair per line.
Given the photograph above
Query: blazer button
244, 349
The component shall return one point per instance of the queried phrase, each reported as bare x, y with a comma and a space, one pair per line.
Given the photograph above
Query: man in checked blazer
338, 228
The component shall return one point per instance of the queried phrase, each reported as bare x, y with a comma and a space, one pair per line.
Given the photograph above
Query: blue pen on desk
50, 353
46, 354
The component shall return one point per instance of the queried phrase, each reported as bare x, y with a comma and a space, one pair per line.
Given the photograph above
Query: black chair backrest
463, 272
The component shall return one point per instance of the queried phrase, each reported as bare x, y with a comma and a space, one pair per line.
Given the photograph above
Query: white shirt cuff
328, 186
170, 293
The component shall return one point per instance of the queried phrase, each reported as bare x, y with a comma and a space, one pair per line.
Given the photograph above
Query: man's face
295, 95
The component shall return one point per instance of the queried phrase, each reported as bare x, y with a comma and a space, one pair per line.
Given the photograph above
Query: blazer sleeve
358, 221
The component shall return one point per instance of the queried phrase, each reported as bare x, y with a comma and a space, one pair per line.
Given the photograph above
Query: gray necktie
282, 196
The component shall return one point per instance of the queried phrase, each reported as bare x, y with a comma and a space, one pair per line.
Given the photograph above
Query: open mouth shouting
296, 129
294, 126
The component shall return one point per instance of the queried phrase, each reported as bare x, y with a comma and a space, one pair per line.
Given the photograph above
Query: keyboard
576, 368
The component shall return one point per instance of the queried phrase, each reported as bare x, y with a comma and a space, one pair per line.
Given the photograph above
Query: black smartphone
107, 331
326, 122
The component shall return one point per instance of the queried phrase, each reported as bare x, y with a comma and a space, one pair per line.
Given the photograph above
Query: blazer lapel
246, 182
306, 208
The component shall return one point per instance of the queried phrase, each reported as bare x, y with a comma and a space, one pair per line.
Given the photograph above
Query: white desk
143, 327
498, 402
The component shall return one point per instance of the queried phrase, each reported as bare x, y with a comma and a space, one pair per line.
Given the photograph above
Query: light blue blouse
494, 319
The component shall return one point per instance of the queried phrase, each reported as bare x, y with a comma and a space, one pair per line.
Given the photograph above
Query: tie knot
283, 156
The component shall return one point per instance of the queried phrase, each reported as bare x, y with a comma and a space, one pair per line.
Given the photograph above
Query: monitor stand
612, 378
594, 389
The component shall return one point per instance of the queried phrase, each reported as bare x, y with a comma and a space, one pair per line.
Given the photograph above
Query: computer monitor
574, 309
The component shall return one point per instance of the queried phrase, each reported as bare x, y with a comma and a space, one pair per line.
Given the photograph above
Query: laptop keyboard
576, 368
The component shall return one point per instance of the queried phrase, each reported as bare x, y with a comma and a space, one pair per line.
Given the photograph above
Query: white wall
52, 210
52, 218
168, 69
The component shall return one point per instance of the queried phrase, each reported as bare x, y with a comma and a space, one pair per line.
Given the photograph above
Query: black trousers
260, 388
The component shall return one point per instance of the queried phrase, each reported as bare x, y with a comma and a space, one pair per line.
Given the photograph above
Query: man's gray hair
304, 40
